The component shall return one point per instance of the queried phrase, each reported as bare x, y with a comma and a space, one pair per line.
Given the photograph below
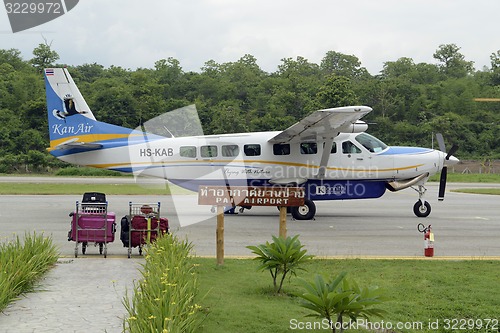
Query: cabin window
230, 150
350, 148
371, 143
281, 149
308, 148
208, 151
252, 150
188, 151
334, 148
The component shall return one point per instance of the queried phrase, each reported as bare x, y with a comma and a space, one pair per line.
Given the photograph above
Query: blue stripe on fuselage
405, 150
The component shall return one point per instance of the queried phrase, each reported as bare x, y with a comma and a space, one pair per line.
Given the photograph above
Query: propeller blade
442, 183
451, 152
440, 141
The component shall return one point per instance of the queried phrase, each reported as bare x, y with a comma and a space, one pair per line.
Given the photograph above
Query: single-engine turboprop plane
328, 153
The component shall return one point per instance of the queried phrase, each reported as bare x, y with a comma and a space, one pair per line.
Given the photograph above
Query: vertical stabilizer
71, 121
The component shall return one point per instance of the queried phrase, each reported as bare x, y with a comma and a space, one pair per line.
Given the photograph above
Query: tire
422, 210
305, 212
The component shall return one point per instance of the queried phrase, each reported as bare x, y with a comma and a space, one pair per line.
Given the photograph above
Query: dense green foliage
410, 100
22, 263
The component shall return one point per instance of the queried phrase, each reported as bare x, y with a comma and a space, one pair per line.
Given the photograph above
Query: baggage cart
142, 225
92, 223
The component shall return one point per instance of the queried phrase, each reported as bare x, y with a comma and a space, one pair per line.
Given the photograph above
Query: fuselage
248, 158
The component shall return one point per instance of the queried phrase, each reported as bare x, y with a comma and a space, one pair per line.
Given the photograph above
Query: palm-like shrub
282, 257
340, 299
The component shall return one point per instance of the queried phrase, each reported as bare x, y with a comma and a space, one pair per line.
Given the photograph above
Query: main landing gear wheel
422, 210
305, 212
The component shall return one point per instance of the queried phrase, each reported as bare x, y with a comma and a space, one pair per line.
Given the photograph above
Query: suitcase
143, 231
94, 197
92, 228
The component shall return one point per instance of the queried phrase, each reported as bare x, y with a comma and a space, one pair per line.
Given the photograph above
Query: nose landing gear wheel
305, 212
422, 210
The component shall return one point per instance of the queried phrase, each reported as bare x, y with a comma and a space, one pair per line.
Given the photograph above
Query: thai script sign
251, 196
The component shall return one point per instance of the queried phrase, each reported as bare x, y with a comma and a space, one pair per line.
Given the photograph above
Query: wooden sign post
232, 196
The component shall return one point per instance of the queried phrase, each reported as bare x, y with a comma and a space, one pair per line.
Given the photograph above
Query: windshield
371, 143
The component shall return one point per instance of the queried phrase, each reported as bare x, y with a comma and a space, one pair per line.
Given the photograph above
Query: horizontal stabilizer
73, 144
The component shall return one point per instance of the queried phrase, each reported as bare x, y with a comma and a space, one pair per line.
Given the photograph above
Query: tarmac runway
464, 225
85, 294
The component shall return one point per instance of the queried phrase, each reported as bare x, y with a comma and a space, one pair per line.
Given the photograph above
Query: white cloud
137, 33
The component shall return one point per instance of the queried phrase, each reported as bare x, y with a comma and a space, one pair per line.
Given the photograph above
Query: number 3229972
470, 324
32, 8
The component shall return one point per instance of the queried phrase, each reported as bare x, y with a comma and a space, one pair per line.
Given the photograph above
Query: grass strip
164, 299
469, 178
490, 191
22, 263
109, 189
421, 292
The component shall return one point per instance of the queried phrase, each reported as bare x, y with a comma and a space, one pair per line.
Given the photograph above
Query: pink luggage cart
92, 223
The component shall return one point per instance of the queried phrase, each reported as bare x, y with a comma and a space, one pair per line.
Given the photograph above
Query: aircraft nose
451, 161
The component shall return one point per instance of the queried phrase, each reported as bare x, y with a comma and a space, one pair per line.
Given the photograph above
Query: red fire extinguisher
428, 242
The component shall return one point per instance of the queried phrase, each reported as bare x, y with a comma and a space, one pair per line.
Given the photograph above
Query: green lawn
240, 299
469, 178
109, 189
490, 191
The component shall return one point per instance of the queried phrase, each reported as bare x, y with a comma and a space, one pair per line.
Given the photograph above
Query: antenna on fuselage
171, 135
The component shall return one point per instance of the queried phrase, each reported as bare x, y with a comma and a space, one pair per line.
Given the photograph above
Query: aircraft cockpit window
188, 151
230, 150
371, 143
350, 148
252, 150
281, 149
208, 151
308, 148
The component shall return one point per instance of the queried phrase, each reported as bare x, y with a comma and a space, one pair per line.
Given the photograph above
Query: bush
23, 263
341, 298
281, 257
164, 299
87, 171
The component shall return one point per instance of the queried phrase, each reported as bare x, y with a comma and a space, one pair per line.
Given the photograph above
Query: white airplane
328, 153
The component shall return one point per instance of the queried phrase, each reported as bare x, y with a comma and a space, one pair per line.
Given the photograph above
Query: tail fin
72, 124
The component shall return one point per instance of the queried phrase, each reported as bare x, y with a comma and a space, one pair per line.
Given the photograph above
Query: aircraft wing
325, 123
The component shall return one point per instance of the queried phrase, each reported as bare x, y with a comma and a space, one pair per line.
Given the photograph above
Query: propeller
444, 171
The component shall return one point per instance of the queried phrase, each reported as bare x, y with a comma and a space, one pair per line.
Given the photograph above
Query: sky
137, 33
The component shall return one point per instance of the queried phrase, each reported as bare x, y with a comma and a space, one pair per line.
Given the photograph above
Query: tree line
411, 101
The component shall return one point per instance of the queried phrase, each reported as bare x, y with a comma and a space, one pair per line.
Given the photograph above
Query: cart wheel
129, 252
84, 247
100, 247
140, 251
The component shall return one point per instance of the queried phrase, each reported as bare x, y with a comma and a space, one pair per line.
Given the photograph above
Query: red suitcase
144, 231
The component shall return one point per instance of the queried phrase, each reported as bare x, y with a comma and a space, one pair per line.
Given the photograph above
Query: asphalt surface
85, 294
